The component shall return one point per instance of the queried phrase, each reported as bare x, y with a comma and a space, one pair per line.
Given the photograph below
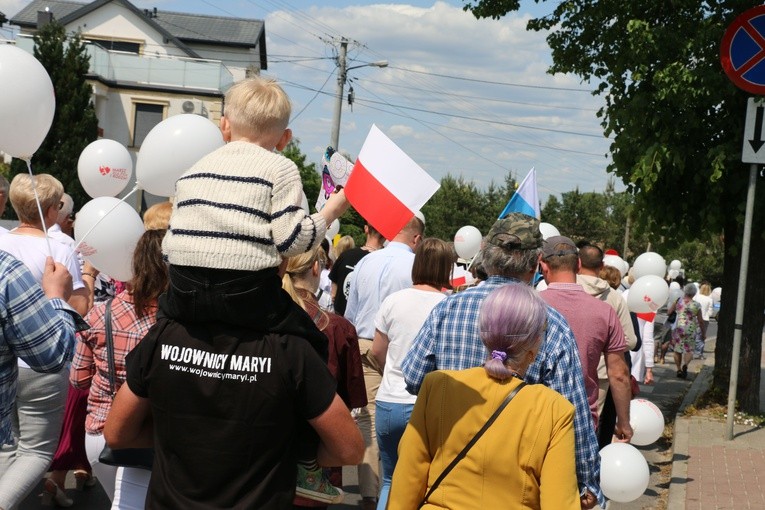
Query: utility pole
342, 77
341, 70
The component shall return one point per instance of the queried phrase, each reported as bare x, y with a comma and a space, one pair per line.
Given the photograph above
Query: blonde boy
244, 197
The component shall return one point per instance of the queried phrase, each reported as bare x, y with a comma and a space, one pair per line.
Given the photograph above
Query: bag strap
461, 455
109, 344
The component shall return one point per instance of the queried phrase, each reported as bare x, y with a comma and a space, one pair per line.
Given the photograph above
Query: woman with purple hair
525, 459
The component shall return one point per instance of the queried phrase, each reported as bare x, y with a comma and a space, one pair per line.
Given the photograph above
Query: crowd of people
249, 364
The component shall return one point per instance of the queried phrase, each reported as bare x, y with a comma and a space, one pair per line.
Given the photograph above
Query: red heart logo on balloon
104, 170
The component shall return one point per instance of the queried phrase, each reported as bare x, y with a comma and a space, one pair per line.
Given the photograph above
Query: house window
147, 115
126, 46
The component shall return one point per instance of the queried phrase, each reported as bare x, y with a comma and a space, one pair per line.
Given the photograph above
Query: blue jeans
390, 421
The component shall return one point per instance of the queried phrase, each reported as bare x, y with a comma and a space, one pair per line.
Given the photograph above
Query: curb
679, 477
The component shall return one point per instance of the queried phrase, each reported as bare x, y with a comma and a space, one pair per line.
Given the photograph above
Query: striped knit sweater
239, 208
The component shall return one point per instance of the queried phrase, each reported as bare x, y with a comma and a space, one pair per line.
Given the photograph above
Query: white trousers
126, 487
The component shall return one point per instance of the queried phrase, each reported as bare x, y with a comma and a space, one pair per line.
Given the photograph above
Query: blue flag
525, 199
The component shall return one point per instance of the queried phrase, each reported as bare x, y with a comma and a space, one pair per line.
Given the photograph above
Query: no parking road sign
742, 51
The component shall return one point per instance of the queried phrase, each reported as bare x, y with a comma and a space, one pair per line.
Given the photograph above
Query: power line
488, 121
314, 96
497, 100
515, 141
474, 80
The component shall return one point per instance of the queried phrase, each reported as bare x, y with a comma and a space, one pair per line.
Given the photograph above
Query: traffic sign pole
738, 325
742, 55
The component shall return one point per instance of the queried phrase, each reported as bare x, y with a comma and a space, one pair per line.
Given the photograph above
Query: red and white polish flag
387, 187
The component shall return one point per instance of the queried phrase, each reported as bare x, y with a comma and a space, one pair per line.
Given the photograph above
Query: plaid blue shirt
38, 330
450, 340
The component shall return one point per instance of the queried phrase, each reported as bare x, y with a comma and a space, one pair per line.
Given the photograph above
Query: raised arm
39, 330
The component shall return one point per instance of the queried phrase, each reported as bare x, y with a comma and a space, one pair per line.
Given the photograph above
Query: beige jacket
600, 289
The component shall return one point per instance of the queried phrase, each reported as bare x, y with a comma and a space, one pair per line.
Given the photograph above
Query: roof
178, 27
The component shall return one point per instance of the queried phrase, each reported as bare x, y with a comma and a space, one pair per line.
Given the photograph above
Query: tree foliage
74, 122
309, 174
676, 123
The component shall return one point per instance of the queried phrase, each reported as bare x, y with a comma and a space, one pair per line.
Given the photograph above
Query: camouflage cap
516, 231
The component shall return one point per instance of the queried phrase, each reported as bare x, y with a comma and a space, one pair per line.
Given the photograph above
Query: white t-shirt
325, 286
401, 317
33, 251
706, 304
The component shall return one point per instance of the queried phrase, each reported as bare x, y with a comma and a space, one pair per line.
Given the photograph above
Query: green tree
675, 120
309, 174
74, 122
456, 203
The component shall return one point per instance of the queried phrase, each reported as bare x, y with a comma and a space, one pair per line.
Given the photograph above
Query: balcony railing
163, 71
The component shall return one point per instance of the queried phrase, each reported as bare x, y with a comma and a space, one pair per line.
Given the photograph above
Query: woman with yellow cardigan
525, 459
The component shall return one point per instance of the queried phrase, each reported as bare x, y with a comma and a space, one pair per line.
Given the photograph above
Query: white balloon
673, 273
171, 148
675, 264
27, 102
624, 473
104, 168
617, 262
332, 230
548, 230
107, 230
647, 422
647, 294
717, 293
649, 263
467, 242
625, 267
304, 202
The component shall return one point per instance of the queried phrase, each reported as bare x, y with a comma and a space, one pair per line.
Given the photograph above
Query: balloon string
472, 260
77, 246
39, 205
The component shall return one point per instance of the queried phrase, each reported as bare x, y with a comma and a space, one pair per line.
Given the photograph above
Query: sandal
84, 479
685, 371
53, 495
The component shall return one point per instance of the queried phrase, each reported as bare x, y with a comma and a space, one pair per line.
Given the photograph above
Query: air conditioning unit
195, 106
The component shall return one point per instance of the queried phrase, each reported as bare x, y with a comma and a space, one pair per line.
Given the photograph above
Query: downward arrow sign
756, 142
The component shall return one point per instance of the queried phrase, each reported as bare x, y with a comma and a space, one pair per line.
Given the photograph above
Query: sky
460, 96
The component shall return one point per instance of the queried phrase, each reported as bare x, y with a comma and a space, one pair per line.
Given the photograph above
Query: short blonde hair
157, 217
343, 244
257, 106
22, 195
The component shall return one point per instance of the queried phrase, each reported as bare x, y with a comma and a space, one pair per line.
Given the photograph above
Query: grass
713, 403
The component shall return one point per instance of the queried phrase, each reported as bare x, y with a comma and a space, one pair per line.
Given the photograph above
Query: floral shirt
687, 324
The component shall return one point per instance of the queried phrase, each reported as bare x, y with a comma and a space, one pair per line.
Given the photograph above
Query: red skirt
71, 444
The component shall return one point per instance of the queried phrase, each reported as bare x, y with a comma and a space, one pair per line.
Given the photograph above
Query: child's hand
336, 205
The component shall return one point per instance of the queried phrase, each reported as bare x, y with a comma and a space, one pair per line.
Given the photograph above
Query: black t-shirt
226, 402
339, 275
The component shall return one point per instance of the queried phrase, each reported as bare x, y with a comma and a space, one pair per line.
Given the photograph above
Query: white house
149, 64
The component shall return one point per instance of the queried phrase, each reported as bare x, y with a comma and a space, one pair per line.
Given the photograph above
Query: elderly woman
517, 463
689, 321
40, 398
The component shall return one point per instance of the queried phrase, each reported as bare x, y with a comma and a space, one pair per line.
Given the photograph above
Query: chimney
43, 18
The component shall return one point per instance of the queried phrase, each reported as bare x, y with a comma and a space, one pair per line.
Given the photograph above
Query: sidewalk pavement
709, 472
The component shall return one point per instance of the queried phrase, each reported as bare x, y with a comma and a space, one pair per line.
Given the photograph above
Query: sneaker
313, 484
